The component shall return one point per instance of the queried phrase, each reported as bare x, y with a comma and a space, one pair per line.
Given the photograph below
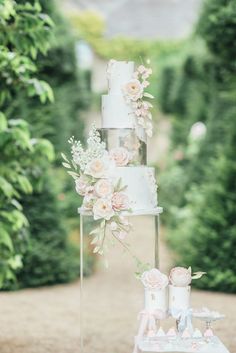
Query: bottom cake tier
141, 187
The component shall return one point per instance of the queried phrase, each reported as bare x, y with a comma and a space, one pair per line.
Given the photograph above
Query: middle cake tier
141, 187
126, 142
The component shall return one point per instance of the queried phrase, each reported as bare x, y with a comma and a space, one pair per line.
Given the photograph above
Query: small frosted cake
155, 284
179, 288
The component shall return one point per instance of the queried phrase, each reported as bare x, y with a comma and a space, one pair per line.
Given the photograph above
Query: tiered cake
113, 179
126, 141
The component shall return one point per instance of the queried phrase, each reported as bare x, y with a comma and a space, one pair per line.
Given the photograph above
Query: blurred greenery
34, 245
198, 185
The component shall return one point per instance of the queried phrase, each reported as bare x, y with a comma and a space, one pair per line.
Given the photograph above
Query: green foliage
199, 87
217, 26
48, 258
56, 121
21, 156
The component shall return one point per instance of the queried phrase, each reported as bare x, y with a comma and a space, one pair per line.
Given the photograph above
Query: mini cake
155, 284
179, 289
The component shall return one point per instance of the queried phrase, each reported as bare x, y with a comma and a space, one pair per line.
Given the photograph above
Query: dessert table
187, 346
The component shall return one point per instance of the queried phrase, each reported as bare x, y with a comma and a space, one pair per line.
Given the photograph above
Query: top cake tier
116, 112
118, 74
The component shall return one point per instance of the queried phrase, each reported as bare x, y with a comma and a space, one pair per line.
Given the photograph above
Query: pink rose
154, 279
120, 156
82, 185
180, 276
103, 188
120, 201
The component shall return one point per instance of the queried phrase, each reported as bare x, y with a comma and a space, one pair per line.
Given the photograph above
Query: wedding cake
126, 138
113, 180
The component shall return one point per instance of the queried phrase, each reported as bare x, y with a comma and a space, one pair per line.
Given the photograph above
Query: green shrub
217, 25
21, 156
201, 216
48, 257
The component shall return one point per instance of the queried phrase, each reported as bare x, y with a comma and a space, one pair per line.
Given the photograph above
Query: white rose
100, 167
154, 279
120, 156
102, 208
81, 185
133, 90
180, 276
103, 188
89, 201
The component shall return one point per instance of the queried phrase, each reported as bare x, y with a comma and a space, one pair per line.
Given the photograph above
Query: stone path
46, 320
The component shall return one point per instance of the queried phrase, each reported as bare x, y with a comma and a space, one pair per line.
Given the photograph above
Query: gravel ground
47, 319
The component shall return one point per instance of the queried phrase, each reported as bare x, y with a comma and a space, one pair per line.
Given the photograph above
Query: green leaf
65, 158
5, 239
6, 187
24, 184
3, 122
66, 165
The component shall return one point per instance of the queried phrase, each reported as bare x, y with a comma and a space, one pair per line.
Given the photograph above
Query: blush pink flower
88, 202
180, 277
120, 156
120, 201
100, 167
133, 90
102, 208
154, 279
82, 185
103, 188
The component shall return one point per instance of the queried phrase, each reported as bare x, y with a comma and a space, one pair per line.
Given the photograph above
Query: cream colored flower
154, 279
103, 188
88, 202
113, 226
180, 276
81, 185
120, 201
120, 156
102, 208
133, 90
145, 84
100, 167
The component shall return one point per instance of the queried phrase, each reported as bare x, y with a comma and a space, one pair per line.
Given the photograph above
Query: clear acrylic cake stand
156, 212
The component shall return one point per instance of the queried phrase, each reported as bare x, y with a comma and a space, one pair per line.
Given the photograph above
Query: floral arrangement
182, 277
93, 170
154, 279
135, 95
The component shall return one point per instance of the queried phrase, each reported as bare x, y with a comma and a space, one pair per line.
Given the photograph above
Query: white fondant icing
118, 74
179, 297
141, 192
116, 113
155, 299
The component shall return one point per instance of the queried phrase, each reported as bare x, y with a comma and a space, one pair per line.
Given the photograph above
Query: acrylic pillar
145, 226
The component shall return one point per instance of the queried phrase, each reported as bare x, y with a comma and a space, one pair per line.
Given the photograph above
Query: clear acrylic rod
81, 284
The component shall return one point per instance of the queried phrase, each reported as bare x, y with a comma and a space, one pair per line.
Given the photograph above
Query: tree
24, 32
